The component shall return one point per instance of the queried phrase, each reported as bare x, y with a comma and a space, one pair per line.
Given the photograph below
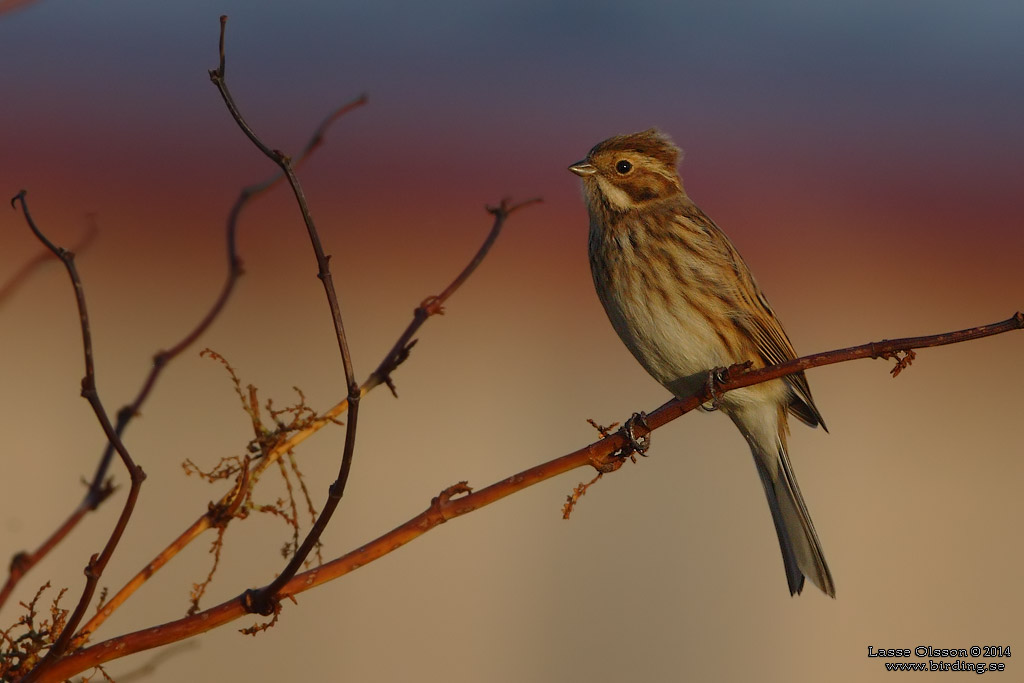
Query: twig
94, 569
447, 506
271, 456
100, 486
209, 519
263, 602
434, 305
45, 256
22, 562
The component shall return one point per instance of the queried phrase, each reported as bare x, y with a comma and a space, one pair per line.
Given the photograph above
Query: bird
685, 303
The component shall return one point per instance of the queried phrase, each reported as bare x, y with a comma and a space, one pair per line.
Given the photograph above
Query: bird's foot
715, 377
637, 444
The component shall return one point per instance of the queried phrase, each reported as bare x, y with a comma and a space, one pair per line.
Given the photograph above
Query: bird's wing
759, 321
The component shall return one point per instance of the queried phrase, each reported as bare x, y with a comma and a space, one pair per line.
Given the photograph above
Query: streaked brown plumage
684, 302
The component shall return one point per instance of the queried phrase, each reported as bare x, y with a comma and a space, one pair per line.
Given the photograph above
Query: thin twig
447, 506
100, 486
94, 569
22, 562
206, 521
45, 256
434, 305
264, 601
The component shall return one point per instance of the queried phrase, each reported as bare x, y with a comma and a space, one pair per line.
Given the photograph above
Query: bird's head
628, 171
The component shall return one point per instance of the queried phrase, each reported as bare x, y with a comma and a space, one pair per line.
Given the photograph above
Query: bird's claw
637, 444
715, 377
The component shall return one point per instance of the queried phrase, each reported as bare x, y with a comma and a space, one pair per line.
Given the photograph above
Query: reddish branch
434, 305
604, 455
43, 257
101, 487
221, 512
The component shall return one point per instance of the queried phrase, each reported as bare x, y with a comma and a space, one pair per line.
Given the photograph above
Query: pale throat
616, 196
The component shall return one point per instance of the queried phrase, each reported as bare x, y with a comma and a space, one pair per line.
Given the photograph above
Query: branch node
160, 358
605, 462
432, 305
256, 601
221, 513
90, 567
19, 562
99, 492
88, 386
441, 501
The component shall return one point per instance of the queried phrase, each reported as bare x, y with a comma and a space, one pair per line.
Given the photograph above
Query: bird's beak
583, 168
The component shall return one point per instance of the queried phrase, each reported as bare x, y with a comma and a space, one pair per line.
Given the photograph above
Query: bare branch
208, 519
434, 305
264, 601
44, 256
604, 455
100, 487
94, 569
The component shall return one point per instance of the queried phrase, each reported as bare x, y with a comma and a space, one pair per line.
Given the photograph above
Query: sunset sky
865, 157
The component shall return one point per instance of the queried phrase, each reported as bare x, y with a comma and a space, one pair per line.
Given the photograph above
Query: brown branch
45, 256
391, 361
22, 562
264, 601
434, 305
603, 455
100, 486
94, 569
259, 466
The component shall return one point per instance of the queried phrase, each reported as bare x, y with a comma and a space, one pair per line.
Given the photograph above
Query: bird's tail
801, 550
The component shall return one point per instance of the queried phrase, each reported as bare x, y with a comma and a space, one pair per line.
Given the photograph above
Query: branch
23, 562
225, 508
604, 455
100, 487
265, 601
44, 256
94, 569
434, 305
210, 519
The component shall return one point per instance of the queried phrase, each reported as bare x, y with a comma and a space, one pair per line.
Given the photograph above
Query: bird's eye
623, 166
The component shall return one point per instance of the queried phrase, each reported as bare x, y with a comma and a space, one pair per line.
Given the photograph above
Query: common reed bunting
685, 303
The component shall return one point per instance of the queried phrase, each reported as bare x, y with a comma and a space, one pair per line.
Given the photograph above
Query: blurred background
864, 157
